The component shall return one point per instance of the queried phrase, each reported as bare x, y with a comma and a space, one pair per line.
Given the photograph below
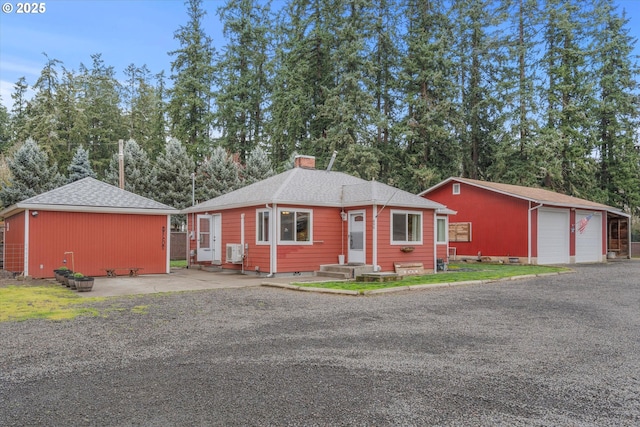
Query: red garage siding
499, 222
98, 241
14, 243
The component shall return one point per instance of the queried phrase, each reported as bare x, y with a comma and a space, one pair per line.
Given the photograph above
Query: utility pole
121, 163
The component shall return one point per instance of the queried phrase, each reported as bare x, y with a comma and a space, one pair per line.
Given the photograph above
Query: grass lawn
180, 263
458, 272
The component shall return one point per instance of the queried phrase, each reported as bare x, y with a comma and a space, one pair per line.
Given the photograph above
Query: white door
209, 245
356, 237
588, 237
553, 236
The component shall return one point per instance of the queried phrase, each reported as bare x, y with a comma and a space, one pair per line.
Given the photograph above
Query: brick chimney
305, 162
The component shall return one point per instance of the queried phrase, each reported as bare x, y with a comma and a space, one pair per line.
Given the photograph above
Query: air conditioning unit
234, 253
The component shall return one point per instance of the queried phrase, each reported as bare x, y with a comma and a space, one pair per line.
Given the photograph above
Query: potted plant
58, 272
82, 282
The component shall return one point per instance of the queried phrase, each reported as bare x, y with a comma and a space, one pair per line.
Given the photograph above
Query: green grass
459, 272
180, 263
19, 303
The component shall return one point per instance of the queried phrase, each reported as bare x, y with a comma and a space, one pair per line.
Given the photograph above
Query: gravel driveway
549, 351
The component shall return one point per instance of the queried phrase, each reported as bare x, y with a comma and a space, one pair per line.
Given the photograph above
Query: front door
209, 246
356, 237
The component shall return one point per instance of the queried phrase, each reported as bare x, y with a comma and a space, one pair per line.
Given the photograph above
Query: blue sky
123, 31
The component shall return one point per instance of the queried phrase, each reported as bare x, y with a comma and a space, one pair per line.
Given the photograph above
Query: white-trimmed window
456, 188
295, 226
406, 227
441, 230
263, 225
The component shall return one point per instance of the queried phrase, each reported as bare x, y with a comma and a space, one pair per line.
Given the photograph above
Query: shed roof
536, 195
91, 195
311, 187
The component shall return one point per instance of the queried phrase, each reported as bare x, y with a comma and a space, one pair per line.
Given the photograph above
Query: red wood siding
499, 222
389, 254
330, 239
14, 243
98, 241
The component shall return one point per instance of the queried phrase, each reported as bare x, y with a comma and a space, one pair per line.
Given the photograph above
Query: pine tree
361, 161
138, 172
19, 111
189, 106
479, 60
218, 175
80, 166
5, 128
100, 102
31, 174
616, 111
257, 167
303, 76
567, 137
428, 85
242, 79
173, 171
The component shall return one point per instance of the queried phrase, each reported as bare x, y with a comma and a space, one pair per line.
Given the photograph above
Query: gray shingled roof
92, 194
313, 187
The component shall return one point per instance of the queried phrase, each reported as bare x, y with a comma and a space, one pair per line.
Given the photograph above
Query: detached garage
529, 225
89, 225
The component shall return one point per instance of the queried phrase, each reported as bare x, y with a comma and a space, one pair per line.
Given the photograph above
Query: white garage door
553, 236
588, 237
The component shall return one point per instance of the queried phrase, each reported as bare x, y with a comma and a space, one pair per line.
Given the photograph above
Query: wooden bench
409, 268
133, 271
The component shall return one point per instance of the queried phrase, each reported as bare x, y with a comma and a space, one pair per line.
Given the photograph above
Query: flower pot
65, 277
84, 284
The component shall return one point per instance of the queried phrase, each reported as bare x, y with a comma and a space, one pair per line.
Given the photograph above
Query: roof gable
90, 193
536, 195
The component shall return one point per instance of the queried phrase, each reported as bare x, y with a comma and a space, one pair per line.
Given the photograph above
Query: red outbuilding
89, 226
529, 225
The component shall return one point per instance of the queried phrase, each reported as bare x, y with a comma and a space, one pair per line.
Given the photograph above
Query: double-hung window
295, 226
262, 226
406, 227
441, 230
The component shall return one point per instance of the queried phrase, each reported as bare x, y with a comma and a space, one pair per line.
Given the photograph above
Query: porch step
344, 271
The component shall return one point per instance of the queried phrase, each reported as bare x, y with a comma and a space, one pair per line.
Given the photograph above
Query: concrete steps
343, 271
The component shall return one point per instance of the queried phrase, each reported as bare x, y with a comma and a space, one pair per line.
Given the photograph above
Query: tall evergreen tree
349, 108
242, 75
517, 160
173, 171
99, 100
428, 93
189, 107
5, 128
568, 137
19, 111
31, 174
617, 109
303, 76
80, 166
219, 174
138, 171
479, 60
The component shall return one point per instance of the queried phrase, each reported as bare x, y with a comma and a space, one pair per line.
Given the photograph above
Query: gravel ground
548, 351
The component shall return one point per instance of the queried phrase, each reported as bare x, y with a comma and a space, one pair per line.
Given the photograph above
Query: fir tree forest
408, 92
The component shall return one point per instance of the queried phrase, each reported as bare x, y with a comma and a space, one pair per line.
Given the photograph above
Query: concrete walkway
181, 279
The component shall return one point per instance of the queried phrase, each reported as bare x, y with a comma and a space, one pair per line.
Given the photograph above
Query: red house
89, 225
529, 225
304, 218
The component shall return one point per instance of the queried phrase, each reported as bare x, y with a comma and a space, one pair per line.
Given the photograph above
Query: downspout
242, 240
435, 241
531, 209
25, 258
273, 247
374, 256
